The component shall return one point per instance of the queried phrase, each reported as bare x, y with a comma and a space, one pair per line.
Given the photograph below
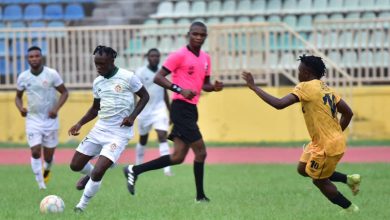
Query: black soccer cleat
131, 178
80, 185
78, 210
203, 199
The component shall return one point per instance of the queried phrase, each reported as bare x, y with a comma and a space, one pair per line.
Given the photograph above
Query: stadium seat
258, 18
368, 4
361, 38
290, 20
289, 6
258, 6
244, 6
228, 20
366, 58
150, 42
346, 39
305, 5
335, 5
54, 12
56, 24
214, 7
229, 7
368, 15
243, 19
382, 58
320, 5
135, 46
2, 47
198, 8
33, 12
378, 38
183, 21
382, 3
351, 4
274, 18
353, 15
165, 45
274, 6
20, 48
320, 17
335, 56
349, 58
1, 13
74, 12
213, 20
384, 14
12, 13
182, 8
2, 65
37, 24
165, 8
305, 22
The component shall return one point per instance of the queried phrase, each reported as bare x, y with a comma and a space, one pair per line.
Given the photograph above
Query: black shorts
184, 117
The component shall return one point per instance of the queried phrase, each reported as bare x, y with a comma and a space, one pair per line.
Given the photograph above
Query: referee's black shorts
184, 116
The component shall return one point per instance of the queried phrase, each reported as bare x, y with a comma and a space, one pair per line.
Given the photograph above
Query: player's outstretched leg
131, 178
353, 181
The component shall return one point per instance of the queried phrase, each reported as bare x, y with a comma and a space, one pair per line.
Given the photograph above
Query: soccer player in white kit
155, 112
41, 84
113, 93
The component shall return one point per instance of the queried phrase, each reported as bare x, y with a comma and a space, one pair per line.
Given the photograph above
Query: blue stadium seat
353, 15
198, 8
74, 12
258, 6
274, 5
366, 58
368, 15
369, 4
12, 13
335, 56
54, 12
384, 14
244, 6
379, 39
37, 24
56, 24
2, 66
349, 58
182, 8
336, 16
1, 13
2, 47
214, 7
362, 38
274, 18
213, 20
19, 49
33, 12
382, 58
17, 24
165, 8
346, 39
320, 17
228, 20
382, 3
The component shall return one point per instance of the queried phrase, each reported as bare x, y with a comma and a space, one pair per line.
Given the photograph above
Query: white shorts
103, 142
158, 122
45, 138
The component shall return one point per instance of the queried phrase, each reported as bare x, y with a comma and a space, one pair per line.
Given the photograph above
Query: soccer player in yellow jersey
320, 105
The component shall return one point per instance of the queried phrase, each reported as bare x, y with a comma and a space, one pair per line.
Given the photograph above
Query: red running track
218, 155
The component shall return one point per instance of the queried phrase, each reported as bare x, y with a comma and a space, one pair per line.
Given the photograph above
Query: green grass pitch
236, 192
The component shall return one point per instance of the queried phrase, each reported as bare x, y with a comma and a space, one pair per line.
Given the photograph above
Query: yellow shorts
319, 165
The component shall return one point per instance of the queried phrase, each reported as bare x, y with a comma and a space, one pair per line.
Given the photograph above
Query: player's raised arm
143, 100
89, 116
268, 98
346, 114
208, 87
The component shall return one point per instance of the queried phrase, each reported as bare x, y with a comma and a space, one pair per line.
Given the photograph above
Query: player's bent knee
75, 167
177, 160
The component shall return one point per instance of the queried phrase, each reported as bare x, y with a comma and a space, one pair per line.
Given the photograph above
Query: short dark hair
107, 50
34, 48
198, 23
315, 64
152, 50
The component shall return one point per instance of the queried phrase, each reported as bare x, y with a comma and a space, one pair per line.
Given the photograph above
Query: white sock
164, 150
90, 191
36, 165
87, 169
139, 153
46, 165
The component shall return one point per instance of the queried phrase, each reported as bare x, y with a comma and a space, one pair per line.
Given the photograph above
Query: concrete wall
234, 115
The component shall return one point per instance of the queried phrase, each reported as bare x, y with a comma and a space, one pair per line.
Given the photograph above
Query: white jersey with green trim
41, 97
156, 104
116, 95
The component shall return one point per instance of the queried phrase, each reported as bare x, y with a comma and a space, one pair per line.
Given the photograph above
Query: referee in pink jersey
190, 68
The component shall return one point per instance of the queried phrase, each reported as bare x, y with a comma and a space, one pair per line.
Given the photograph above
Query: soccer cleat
131, 178
353, 181
202, 200
78, 210
42, 186
168, 173
46, 176
351, 209
80, 185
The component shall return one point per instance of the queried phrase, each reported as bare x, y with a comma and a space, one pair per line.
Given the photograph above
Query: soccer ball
52, 204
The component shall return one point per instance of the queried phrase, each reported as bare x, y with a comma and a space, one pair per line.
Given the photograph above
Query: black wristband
175, 88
